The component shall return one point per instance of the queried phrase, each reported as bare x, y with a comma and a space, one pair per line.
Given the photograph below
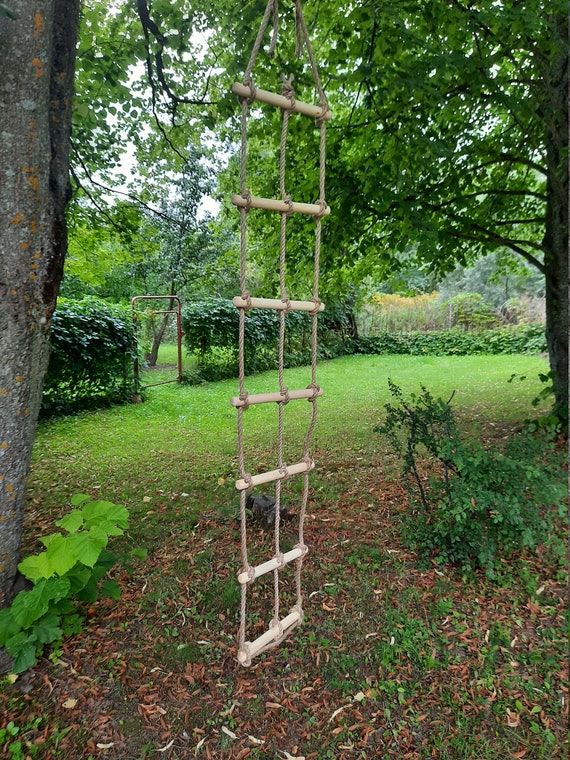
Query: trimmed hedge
93, 348
520, 339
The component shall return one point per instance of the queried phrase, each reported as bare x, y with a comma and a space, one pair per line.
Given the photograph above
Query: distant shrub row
519, 339
92, 352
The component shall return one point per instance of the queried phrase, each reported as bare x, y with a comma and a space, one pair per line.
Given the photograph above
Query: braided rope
301, 37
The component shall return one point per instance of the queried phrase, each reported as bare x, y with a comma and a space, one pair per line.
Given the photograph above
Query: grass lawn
394, 659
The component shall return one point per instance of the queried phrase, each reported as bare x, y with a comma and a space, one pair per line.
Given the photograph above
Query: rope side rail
276, 397
284, 207
276, 303
243, 484
274, 634
251, 93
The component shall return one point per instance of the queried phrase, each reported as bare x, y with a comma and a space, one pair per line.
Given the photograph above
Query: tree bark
36, 87
556, 220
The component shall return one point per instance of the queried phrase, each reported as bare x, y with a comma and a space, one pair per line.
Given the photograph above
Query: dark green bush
212, 329
93, 348
470, 506
520, 339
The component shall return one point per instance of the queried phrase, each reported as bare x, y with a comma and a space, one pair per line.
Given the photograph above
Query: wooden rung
272, 564
253, 648
272, 204
280, 101
268, 477
275, 303
277, 397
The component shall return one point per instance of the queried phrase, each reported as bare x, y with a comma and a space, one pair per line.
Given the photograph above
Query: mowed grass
182, 439
394, 659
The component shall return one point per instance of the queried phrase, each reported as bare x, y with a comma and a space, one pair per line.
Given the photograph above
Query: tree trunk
152, 355
556, 223
36, 86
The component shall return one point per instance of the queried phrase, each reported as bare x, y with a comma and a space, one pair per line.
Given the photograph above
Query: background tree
36, 86
449, 137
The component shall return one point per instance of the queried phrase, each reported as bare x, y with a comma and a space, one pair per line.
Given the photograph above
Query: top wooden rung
280, 101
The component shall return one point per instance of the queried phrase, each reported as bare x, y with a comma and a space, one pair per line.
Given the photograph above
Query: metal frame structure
179, 333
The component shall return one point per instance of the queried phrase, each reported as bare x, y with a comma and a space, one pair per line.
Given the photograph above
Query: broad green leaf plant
70, 570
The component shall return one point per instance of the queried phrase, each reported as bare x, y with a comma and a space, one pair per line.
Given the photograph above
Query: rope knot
246, 295
316, 389
246, 195
323, 208
304, 549
277, 624
243, 397
324, 106
299, 610
318, 303
284, 392
283, 471
288, 91
280, 559
248, 82
247, 479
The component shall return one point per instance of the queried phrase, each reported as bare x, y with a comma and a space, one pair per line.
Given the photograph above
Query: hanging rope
248, 93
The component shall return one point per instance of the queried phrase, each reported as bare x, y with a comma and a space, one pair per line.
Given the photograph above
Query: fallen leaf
513, 719
336, 712
146, 499
229, 733
253, 740
105, 746
69, 704
166, 747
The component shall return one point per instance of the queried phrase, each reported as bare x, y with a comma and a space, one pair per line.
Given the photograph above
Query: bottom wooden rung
253, 648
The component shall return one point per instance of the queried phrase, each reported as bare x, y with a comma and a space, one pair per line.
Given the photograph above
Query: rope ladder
280, 626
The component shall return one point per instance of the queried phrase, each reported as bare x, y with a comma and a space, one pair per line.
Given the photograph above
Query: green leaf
8, 625
36, 567
48, 629
72, 521
23, 649
79, 498
61, 555
87, 547
111, 589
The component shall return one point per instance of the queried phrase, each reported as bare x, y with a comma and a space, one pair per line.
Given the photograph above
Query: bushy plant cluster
211, 331
519, 339
70, 570
395, 313
470, 506
93, 348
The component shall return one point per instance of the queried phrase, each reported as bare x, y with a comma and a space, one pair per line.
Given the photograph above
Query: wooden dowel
272, 564
275, 303
280, 101
273, 204
269, 477
265, 398
252, 648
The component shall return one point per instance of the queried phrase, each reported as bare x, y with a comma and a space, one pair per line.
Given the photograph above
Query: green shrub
93, 348
473, 506
520, 339
469, 311
211, 331
70, 570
